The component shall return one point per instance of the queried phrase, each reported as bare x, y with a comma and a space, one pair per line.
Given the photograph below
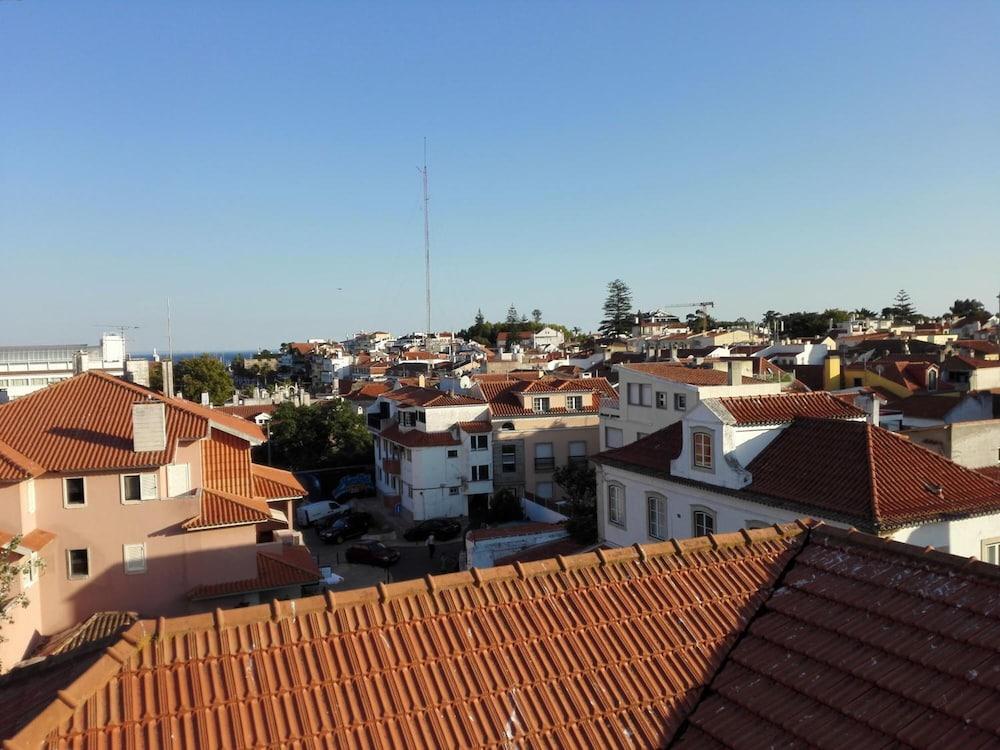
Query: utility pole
427, 244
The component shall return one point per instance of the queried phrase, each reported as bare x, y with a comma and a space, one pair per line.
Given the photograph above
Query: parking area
414, 562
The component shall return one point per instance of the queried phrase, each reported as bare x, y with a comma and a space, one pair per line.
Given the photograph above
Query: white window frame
680, 402
29, 571
149, 487
508, 451
662, 402
540, 404
616, 504
701, 463
480, 442
701, 510
608, 431
179, 475
574, 403
66, 502
478, 470
991, 548
135, 569
656, 516
69, 564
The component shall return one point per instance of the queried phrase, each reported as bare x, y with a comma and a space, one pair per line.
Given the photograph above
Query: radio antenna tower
427, 243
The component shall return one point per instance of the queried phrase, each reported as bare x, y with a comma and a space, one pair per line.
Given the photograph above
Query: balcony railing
545, 464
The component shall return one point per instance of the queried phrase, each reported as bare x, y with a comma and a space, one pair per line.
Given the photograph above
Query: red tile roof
983, 347
247, 412
85, 424
779, 637
784, 407
35, 540
866, 475
417, 438
519, 529
225, 509
415, 396
682, 373
505, 400
652, 453
301, 348
475, 427
961, 362
272, 484
15, 466
925, 406
993, 472
290, 566
98, 627
366, 392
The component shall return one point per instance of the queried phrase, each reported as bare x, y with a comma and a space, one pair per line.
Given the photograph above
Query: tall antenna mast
170, 338
427, 244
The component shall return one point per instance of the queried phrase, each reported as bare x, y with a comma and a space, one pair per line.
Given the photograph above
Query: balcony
545, 464
390, 466
578, 460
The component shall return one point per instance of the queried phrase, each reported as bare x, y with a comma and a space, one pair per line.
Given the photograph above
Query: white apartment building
748, 462
433, 452
788, 356
25, 369
653, 395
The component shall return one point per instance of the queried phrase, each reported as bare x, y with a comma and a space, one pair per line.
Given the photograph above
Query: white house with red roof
433, 451
746, 462
135, 501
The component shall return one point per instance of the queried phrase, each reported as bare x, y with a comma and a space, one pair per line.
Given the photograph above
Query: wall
529, 431
483, 552
973, 444
535, 512
963, 537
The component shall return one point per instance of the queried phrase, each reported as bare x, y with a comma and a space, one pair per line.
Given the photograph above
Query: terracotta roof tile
292, 565
783, 407
246, 412
474, 427
504, 397
867, 475
411, 396
651, 453
85, 423
925, 406
520, 529
417, 438
272, 484
225, 509
98, 627
15, 466
682, 373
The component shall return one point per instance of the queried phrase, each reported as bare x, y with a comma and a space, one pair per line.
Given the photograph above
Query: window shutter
148, 489
135, 558
178, 479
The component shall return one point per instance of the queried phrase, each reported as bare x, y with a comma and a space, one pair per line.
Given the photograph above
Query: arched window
507, 426
932, 380
656, 515
701, 446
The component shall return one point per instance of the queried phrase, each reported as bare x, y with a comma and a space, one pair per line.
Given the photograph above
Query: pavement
414, 561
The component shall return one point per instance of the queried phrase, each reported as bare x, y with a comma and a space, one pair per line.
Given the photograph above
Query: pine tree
480, 318
902, 308
617, 309
512, 315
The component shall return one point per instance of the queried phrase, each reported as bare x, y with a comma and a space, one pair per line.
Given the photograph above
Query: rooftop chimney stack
149, 426
873, 410
167, 371
421, 381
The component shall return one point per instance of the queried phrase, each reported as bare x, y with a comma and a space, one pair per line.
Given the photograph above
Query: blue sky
248, 159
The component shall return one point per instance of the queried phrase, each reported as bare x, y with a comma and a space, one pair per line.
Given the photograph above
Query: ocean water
227, 357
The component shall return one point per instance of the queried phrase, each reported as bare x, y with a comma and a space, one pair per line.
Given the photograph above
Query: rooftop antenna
120, 328
170, 337
427, 243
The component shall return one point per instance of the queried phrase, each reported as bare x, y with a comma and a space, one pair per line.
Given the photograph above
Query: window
29, 573
135, 558
507, 426
616, 505
574, 403
543, 490
578, 452
74, 492
407, 419
422, 417
680, 401
613, 437
661, 400
179, 479
540, 404
481, 473
703, 522
453, 490
78, 563
656, 516
702, 447
991, 551
640, 394
479, 442
508, 458
544, 457
932, 380
136, 487
453, 454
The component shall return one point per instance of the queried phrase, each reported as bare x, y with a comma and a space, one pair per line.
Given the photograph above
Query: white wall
483, 552
962, 537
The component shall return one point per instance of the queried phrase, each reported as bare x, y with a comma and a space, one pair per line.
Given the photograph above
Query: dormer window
701, 446
540, 404
574, 403
407, 419
932, 380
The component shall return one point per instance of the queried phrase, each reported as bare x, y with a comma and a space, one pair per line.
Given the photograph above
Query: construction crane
701, 309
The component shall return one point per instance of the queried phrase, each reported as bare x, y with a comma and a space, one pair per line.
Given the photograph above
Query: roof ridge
872, 474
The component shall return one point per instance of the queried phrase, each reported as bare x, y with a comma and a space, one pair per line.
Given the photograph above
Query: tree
617, 310
324, 435
11, 572
836, 315
505, 506
964, 308
204, 374
579, 482
512, 315
156, 376
480, 318
536, 315
902, 308
805, 325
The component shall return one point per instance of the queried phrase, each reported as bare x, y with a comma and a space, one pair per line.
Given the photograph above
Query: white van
310, 513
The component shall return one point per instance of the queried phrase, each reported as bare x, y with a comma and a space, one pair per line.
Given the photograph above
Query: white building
743, 463
788, 356
25, 369
653, 395
433, 451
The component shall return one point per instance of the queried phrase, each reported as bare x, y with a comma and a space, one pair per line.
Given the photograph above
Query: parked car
442, 529
309, 514
372, 553
347, 526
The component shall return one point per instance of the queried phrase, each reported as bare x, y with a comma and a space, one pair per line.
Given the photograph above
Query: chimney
81, 362
421, 381
873, 410
735, 374
167, 370
205, 401
149, 426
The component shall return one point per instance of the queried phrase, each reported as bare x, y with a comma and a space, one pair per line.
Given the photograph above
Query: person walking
430, 545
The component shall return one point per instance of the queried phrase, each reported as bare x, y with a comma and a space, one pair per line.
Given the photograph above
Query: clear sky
257, 161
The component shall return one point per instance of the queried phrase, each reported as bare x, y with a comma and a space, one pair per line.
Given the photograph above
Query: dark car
347, 526
442, 529
372, 553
